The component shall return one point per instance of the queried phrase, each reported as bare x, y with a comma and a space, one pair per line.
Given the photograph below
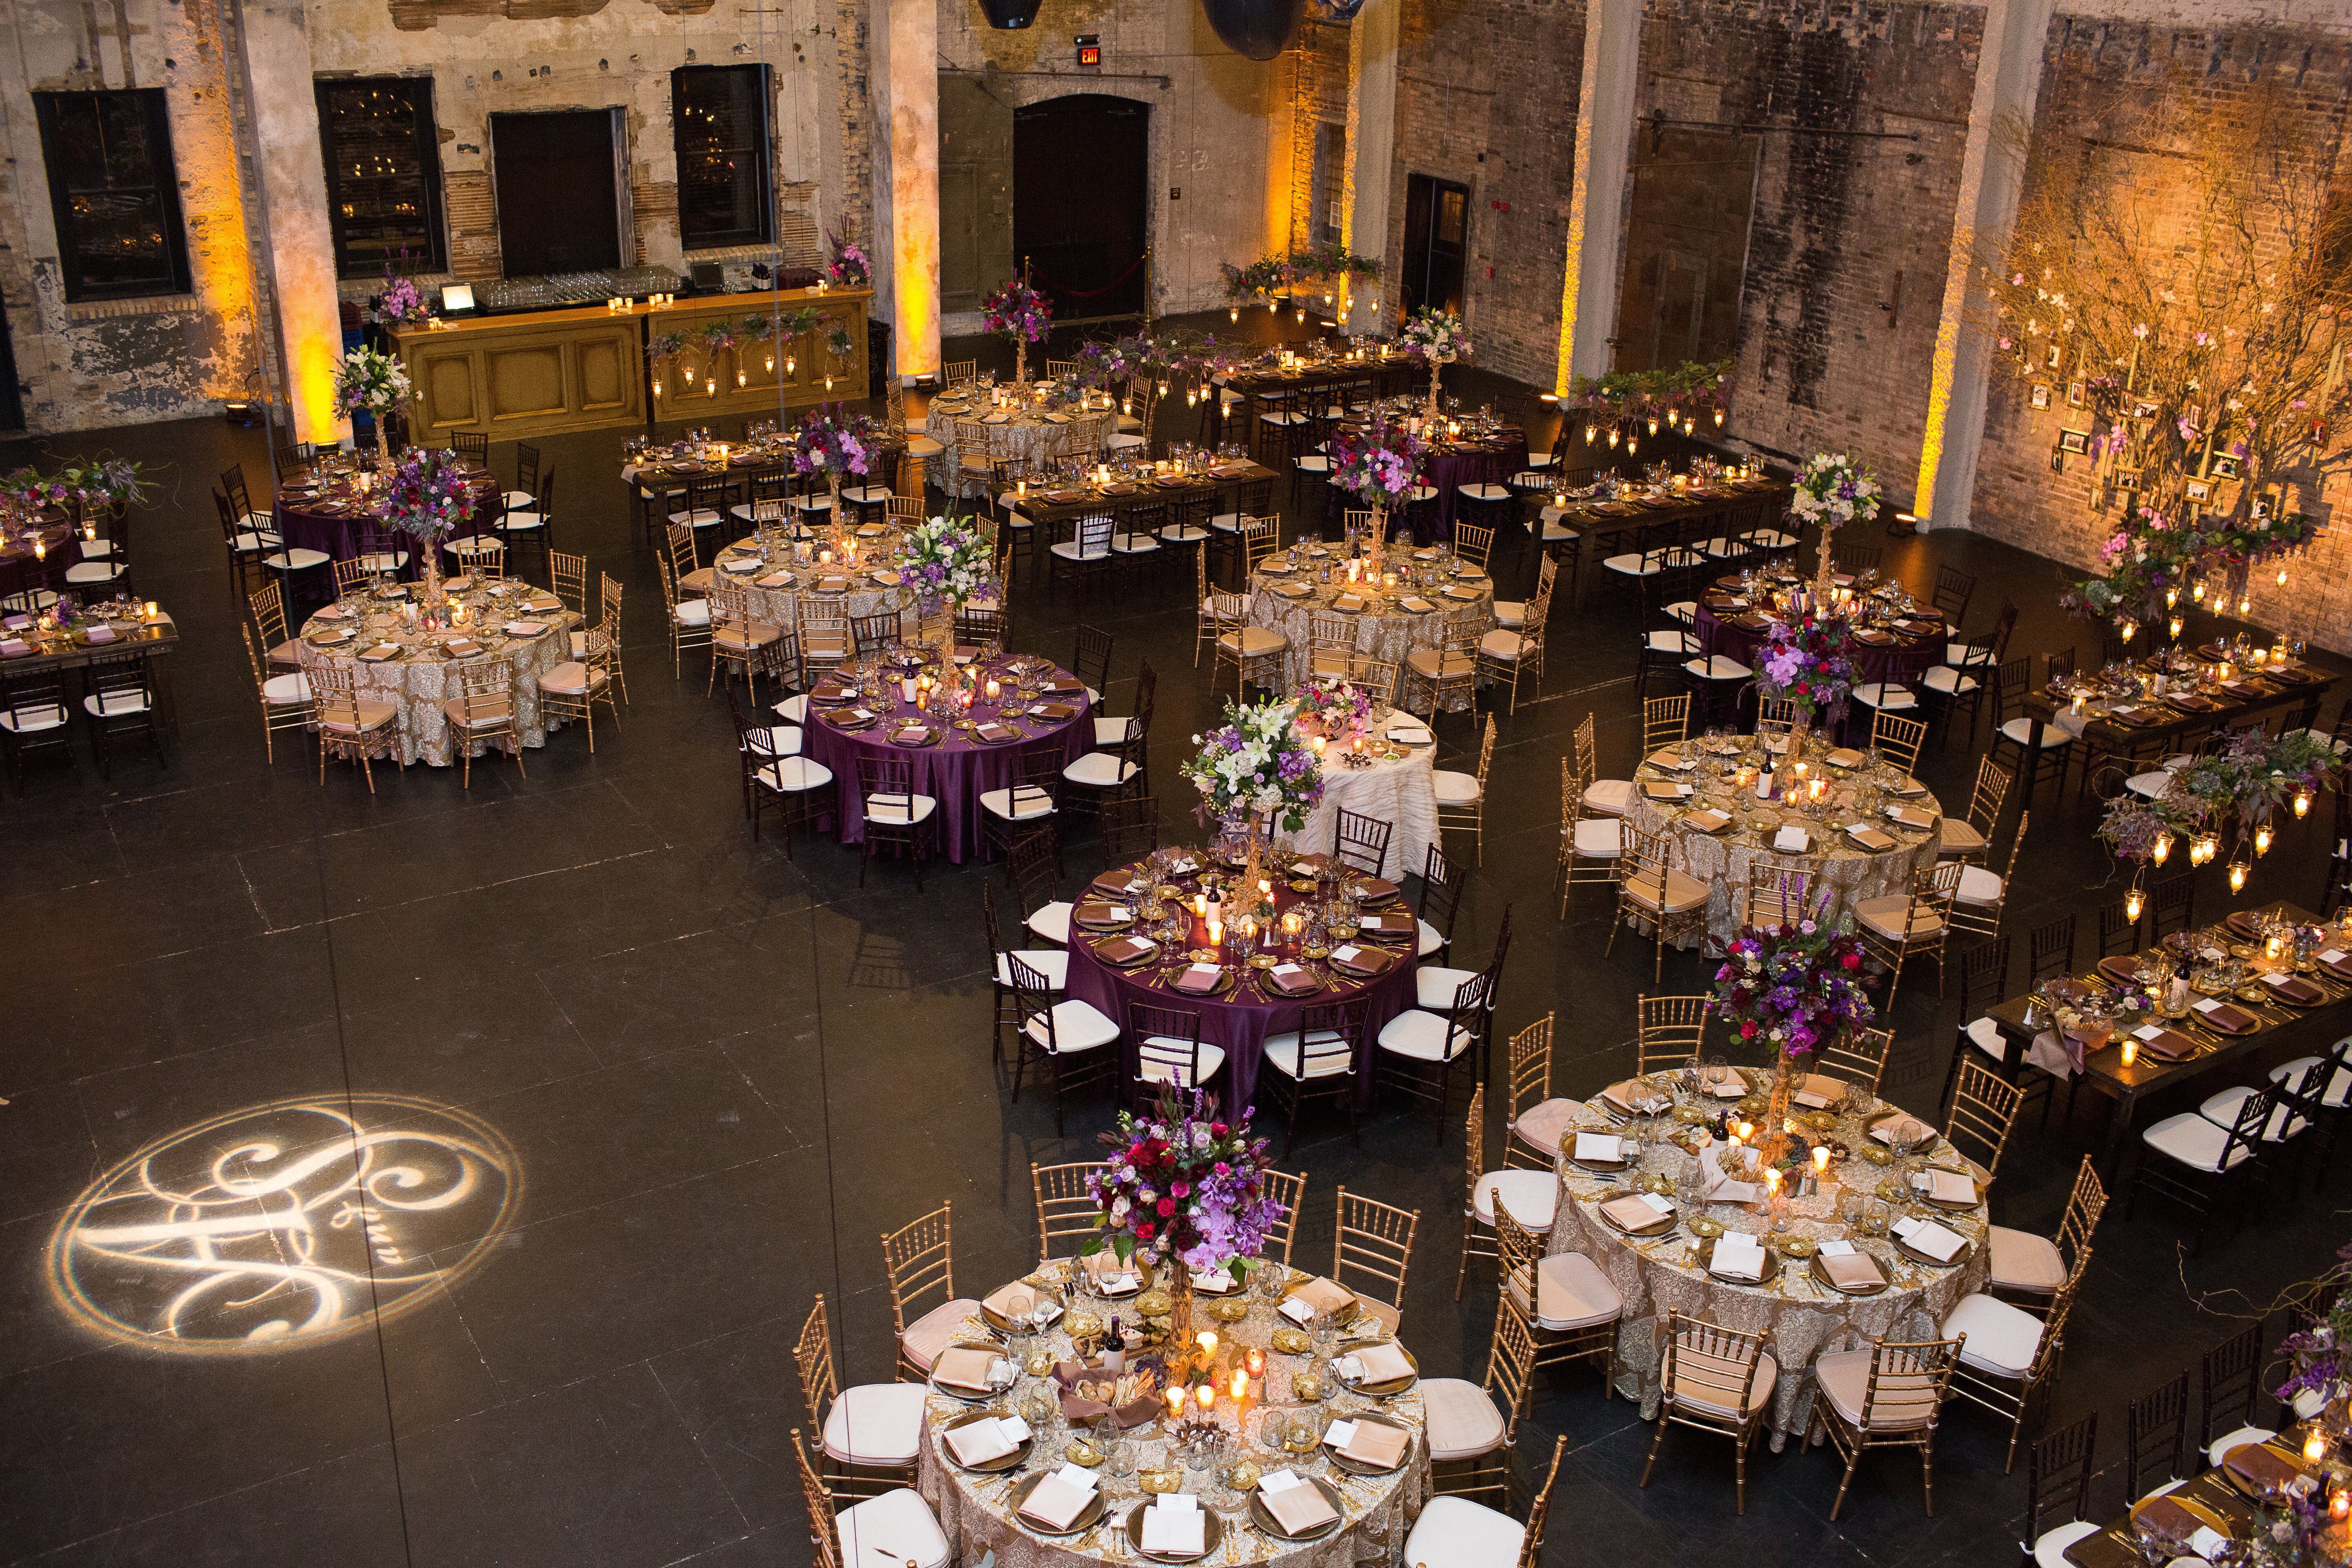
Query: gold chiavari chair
1253, 652
1066, 1210
1984, 1110
1715, 1379
1376, 678
1206, 625
735, 637
1537, 1118
1472, 1426
1290, 1192
2010, 1357
1778, 891
1899, 926
483, 712
876, 1427
1462, 797
1602, 797
1666, 722
1889, 1395
692, 577
1260, 537
689, 620
1449, 1523
918, 1258
350, 724
1445, 672
2035, 1266
1969, 838
1671, 1031
570, 575
1370, 1251
285, 702
1589, 847
269, 603
825, 639
959, 372
1513, 615
1504, 654
906, 511
1651, 892
975, 464
350, 576
1572, 1310
1523, 1192
1858, 1056
572, 689
1775, 716
608, 610
1898, 739
1473, 545
1979, 897
1330, 647
898, 1524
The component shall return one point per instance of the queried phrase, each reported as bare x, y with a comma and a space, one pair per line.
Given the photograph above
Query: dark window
719, 114
112, 188
384, 174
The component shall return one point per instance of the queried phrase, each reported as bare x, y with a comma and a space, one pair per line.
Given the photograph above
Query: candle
824, 557
1743, 1132
1201, 905
1175, 1402
2315, 1445
2131, 1050
993, 689
1820, 1159
1240, 1383
1207, 1340
1208, 1396
1217, 933
1317, 744
1773, 1181
1254, 1358
2339, 1506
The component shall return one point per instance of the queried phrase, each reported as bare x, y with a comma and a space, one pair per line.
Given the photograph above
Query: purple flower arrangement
835, 441
1179, 1184
1378, 465
1255, 764
1335, 709
848, 268
399, 302
426, 495
1809, 662
1018, 311
1795, 987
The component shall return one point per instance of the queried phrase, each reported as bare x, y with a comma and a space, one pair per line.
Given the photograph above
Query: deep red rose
1167, 1206
1748, 1031
1218, 1128
1143, 1232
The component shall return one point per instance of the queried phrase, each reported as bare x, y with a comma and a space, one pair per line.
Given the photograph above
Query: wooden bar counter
540, 374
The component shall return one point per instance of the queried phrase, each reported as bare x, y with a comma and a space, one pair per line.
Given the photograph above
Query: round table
421, 677
958, 767
1658, 1276
977, 1514
1287, 591
1892, 644
777, 583
1239, 1017
1026, 435
324, 509
1393, 784
1722, 860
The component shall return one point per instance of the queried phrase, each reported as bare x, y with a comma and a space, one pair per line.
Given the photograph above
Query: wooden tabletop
161, 636
2271, 692
1038, 509
2117, 1545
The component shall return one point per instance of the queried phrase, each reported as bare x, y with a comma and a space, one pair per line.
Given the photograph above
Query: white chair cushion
2337, 1092
1685, 611
1422, 1036
2193, 1141
796, 709
1434, 985
1979, 887
286, 690
2222, 1109
1282, 1054
1599, 838
789, 775
32, 721
1077, 1027
1455, 789
1530, 1196
1052, 964
2222, 1446
1680, 645
698, 517
1071, 549
1985, 1035
1542, 1126
1845, 1380
1692, 1393
876, 1424
1101, 770
1610, 797
1960, 837
1503, 644
2025, 1261
1314, 464
1032, 803
1434, 664
572, 678
1429, 939
1113, 731
1571, 1292
1172, 1068
899, 1525
1718, 667
295, 560
694, 611
774, 740
1889, 698
2023, 730
1462, 1420
900, 810
94, 572
522, 522
107, 704
1943, 677
2050, 1549
1454, 1532
1680, 894
1511, 612
2001, 1338
1133, 544
1633, 565
1484, 492
936, 1329
1052, 922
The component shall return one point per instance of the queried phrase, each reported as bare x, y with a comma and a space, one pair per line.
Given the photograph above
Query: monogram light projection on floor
282, 1224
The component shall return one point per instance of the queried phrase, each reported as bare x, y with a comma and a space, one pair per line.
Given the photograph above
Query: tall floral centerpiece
834, 441
947, 564
367, 379
426, 498
1437, 337
1257, 774
1022, 314
1834, 490
1378, 465
1807, 660
1180, 1186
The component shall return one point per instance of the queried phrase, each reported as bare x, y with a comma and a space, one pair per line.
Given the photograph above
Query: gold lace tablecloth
1723, 860
1398, 791
779, 604
976, 1512
419, 681
1026, 435
1383, 630
1658, 1277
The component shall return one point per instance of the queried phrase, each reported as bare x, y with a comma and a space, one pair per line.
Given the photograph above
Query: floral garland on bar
1622, 402
1798, 988
1181, 1184
2152, 557
848, 268
1808, 663
1255, 765
1299, 269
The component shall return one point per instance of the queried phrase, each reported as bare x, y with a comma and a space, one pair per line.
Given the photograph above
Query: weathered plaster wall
125, 362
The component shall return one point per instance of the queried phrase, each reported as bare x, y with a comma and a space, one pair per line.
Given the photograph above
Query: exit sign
1089, 49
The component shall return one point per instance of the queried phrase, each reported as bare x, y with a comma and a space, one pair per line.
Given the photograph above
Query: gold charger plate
1772, 1268
969, 1396
1341, 1461
995, 1320
2244, 1485
996, 1467
1821, 1276
1656, 1228
1921, 1147
1213, 1535
1967, 1249
2189, 1506
1265, 1521
1088, 1515
1353, 1307
1388, 1390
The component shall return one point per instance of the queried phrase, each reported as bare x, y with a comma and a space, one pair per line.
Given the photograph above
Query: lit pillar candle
1820, 1159
1208, 1396
1207, 1340
1240, 1383
1256, 1361
2315, 1445
1175, 1402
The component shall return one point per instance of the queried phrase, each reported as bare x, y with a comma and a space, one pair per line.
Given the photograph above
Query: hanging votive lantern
2161, 851
2134, 901
2263, 839
2303, 801
2237, 869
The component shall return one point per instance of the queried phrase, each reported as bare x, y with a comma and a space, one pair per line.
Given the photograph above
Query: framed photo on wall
2225, 466
2074, 395
2074, 440
2200, 491
2040, 396
2124, 479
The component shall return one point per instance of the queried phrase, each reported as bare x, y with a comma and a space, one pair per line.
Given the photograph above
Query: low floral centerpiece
1255, 769
848, 268
369, 380
1437, 337
1332, 710
1180, 1186
834, 441
400, 303
426, 496
1019, 312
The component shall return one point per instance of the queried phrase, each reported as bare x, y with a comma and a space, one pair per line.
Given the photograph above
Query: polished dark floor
723, 1074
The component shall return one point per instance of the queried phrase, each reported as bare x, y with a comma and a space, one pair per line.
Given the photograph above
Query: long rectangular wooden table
2117, 1545
2300, 694
1599, 533
1052, 516
2284, 1033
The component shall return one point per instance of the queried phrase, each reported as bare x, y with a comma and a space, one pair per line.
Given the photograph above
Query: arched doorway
1080, 217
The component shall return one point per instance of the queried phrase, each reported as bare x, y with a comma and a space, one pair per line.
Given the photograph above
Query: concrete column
297, 244
1604, 144
909, 75
1371, 148
2009, 83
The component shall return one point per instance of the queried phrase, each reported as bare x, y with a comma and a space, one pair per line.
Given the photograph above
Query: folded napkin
1317, 1295
2169, 1517
464, 648
2219, 1015
2294, 988
15, 648
1295, 1506
1845, 757
1112, 1277
1173, 1526
978, 1442
525, 628
2165, 1044
1056, 711
1057, 1501
1848, 1268
1380, 1363
17, 623
1397, 922
1637, 1096
1925, 1235
1726, 1083
961, 1366
1293, 590
2269, 1469
1360, 960
1869, 837
1818, 1093
1671, 761
1019, 1301
1945, 1186
884, 575
98, 633
1373, 1442
1463, 596
1738, 1256
741, 564
1416, 603
1374, 889
1912, 818
1604, 1148
1636, 1211
1095, 912
1707, 821
1291, 980
381, 652
2338, 960
1065, 683
833, 585
994, 731
543, 602
1409, 735
1347, 603
1125, 950
1199, 979
1661, 789
1791, 839
1901, 1131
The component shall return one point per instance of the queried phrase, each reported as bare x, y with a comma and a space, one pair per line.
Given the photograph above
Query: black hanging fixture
1259, 30
1010, 16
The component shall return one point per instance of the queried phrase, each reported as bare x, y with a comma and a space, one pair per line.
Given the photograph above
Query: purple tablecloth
956, 772
1900, 663
1490, 465
1240, 1020
334, 527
